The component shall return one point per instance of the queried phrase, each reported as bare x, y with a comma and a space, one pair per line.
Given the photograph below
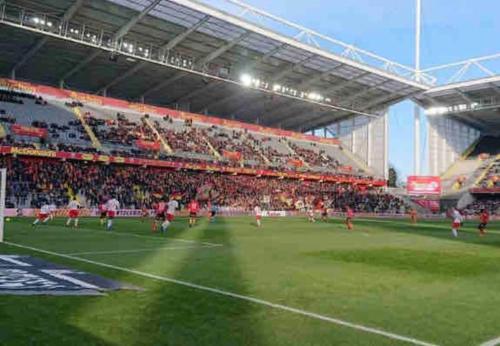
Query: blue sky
452, 30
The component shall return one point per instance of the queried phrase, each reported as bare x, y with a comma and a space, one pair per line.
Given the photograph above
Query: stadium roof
180, 52
476, 103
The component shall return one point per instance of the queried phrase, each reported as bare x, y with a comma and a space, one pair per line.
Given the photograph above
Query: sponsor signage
25, 275
21, 130
423, 185
274, 213
147, 145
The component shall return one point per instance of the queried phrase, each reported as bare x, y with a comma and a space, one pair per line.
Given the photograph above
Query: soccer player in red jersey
413, 216
193, 208
103, 213
484, 218
144, 213
159, 208
349, 215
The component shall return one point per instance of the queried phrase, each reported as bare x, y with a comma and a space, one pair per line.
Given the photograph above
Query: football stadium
195, 172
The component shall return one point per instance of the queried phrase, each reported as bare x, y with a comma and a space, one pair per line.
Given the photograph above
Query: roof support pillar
416, 141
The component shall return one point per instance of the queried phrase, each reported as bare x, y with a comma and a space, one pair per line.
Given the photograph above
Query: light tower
416, 153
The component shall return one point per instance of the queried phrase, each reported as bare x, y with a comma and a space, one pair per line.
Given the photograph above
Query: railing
475, 68
478, 104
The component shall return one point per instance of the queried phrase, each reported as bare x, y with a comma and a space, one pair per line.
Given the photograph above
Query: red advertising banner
423, 185
232, 155
295, 163
346, 169
147, 145
21, 130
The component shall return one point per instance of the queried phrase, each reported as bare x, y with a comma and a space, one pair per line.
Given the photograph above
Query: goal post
3, 185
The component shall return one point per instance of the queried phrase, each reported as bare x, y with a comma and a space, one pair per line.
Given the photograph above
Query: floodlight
246, 79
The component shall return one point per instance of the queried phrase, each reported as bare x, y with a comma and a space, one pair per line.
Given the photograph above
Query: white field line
493, 342
111, 252
332, 320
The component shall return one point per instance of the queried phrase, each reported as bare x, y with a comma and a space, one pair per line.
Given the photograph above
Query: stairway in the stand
260, 152
166, 146
93, 138
294, 153
3, 133
212, 149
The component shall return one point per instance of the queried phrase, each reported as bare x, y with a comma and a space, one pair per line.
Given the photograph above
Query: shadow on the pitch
163, 314
178, 315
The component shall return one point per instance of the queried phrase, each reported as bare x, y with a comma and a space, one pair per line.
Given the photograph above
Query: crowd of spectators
38, 181
315, 159
120, 131
492, 178
187, 140
491, 204
119, 134
236, 141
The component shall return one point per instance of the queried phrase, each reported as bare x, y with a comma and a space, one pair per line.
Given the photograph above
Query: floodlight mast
416, 153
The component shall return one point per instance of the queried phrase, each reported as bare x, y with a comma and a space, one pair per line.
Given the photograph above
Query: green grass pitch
288, 283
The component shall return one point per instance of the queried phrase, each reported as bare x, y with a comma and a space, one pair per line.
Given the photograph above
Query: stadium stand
469, 171
93, 127
138, 148
490, 179
483, 179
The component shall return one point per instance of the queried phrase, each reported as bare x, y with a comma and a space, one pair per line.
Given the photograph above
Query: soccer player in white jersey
310, 214
112, 206
73, 212
172, 206
43, 215
258, 215
457, 221
53, 209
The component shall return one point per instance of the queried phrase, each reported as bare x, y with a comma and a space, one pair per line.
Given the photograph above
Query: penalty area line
281, 307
